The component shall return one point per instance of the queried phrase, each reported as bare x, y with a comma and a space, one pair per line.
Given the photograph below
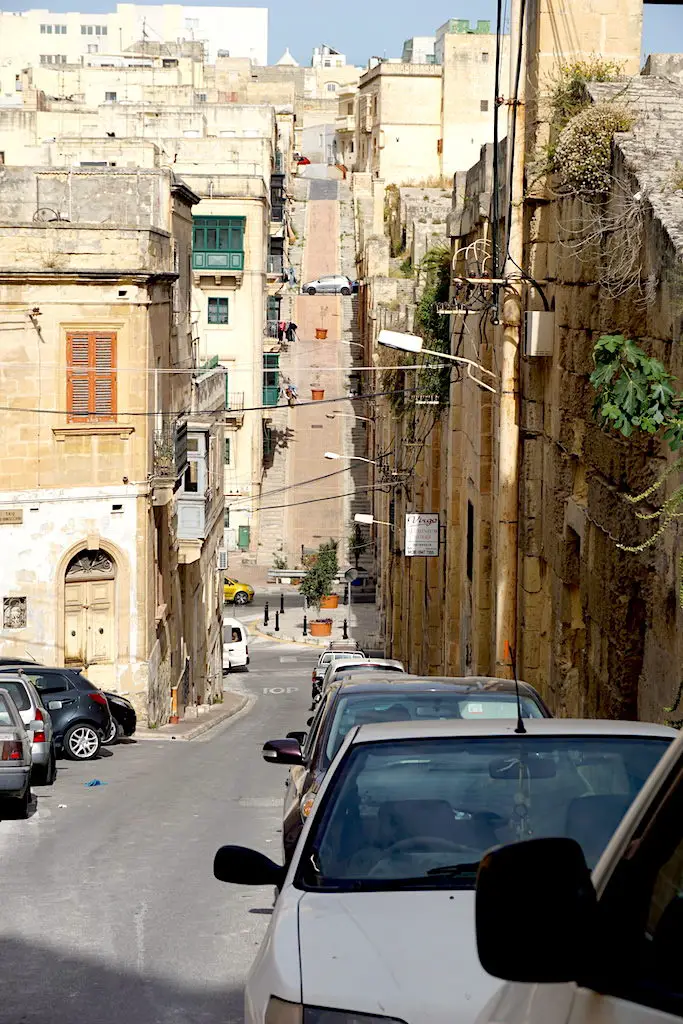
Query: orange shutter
91, 376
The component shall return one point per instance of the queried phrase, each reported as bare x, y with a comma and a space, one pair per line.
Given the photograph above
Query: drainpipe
508, 443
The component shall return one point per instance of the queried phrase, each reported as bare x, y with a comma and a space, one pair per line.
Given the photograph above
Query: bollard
346, 593
345, 634
265, 614
282, 604
277, 621
305, 626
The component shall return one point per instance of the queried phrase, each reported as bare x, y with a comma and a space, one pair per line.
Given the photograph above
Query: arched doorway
89, 609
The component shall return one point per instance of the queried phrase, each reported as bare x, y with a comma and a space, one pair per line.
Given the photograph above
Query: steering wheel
418, 844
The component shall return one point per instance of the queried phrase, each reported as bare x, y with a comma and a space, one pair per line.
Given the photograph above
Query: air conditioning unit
222, 556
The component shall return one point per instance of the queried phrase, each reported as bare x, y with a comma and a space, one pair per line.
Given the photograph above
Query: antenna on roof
509, 652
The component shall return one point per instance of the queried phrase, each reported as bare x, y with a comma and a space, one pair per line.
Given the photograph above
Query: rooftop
535, 727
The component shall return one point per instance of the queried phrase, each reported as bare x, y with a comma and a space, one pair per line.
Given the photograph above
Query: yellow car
240, 593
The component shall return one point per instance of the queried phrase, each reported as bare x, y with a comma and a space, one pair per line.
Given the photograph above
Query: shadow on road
40, 983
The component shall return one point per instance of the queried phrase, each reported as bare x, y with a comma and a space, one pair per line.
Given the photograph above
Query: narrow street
110, 911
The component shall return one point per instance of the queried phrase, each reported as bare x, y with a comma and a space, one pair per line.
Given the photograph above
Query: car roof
464, 684
447, 727
229, 620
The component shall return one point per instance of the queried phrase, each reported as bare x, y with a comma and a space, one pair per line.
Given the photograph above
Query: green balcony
222, 261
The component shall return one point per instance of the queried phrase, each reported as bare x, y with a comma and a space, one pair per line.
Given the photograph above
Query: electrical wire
331, 497
495, 198
289, 487
514, 100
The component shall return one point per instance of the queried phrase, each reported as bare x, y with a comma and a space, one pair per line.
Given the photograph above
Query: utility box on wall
539, 333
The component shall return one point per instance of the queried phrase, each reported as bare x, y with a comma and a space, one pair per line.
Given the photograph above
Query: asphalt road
109, 911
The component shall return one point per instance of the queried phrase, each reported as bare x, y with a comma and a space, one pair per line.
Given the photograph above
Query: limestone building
112, 487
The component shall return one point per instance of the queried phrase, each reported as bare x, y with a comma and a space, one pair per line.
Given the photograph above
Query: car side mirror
300, 737
287, 751
54, 705
535, 911
242, 866
309, 721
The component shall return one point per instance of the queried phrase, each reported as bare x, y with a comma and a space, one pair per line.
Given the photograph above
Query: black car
376, 697
123, 717
78, 709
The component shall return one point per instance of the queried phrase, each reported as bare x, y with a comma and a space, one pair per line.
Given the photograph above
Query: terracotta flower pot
321, 333
173, 720
330, 601
317, 394
320, 627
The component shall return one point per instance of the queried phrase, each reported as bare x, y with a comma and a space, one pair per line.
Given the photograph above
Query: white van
235, 644
576, 949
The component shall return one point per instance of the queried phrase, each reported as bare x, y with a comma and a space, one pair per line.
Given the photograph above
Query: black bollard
305, 626
345, 634
282, 604
347, 588
265, 614
277, 621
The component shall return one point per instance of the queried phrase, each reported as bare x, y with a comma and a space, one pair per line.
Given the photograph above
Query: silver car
15, 760
32, 712
342, 668
328, 284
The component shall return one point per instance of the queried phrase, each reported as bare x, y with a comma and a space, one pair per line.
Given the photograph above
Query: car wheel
16, 808
112, 735
310, 291
45, 775
241, 597
345, 290
81, 742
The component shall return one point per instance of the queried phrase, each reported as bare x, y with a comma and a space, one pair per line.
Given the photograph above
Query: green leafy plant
634, 391
321, 575
434, 328
583, 154
569, 95
279, 561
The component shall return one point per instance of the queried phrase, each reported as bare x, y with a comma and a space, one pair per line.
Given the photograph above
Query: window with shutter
91, 376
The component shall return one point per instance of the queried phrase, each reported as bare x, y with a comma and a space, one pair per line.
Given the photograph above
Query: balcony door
90, 614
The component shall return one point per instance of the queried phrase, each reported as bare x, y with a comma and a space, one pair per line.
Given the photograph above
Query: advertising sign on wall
422, 534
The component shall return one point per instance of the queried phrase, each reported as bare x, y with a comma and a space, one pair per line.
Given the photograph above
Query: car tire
14, 808
81, 742
45, 775
346, 291
310, 291
241, 597
112, 736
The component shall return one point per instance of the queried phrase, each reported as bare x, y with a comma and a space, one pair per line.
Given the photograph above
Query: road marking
277, 690
260, 801
288, 661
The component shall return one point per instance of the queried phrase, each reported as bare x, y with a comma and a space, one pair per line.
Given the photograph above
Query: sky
366, 28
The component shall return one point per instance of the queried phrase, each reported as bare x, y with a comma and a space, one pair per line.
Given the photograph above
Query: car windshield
6, 716
399, 706
420, 813
17, 692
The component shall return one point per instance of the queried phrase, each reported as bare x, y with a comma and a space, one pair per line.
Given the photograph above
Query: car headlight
306, 805
281, 1012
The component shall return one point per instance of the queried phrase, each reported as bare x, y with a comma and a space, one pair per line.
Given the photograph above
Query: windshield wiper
454, 870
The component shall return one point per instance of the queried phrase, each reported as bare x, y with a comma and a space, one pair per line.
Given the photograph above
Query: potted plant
317, 391
318, 583
321, 332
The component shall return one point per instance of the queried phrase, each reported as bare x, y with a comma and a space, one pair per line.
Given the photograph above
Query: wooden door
89, 623
75, 626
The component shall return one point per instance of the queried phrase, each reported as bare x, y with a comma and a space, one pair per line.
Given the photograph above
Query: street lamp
413, 343
348, 416
351, 458
367, 520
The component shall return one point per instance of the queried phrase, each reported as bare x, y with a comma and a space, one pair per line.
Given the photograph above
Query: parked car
375, 916
124, 719
345, 666
328, 284
303, 161
15, 760
235, 644
606, 949
79, 711
31, 710
239, 593
388, 697
331, 653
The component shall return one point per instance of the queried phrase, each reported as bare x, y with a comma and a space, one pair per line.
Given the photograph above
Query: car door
228, 589
634, 975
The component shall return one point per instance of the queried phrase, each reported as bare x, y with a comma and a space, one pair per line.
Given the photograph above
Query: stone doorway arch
90, 636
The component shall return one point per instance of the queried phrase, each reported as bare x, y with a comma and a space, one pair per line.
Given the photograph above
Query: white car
328, 284
578, 949
235, 644
375, 917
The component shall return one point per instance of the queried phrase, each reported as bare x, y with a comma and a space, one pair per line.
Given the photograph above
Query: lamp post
413, 343
368, 520
349, 416
350, 458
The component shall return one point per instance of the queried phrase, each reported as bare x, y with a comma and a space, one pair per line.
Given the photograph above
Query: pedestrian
290, 333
